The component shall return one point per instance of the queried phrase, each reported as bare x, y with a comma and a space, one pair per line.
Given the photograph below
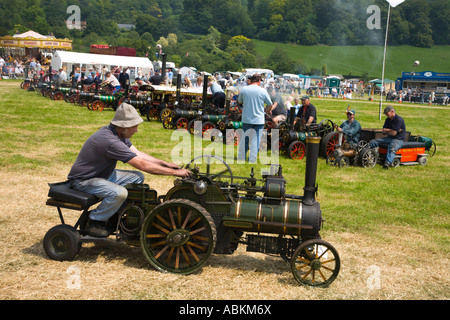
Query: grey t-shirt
280, 108
99, 155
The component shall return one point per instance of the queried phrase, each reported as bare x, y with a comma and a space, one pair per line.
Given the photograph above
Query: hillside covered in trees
216, 34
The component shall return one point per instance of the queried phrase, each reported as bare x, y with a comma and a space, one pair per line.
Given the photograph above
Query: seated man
351, 128
94, 169
394, 127
306, 114
112, 81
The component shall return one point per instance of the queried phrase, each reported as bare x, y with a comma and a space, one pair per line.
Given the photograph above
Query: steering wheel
211, 167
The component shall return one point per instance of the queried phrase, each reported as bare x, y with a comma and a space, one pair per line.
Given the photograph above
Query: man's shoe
386, 165
97, 229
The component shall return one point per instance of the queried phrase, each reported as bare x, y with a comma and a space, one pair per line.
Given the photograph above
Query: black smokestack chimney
163, 68
205, 92
178, 88
312, 155
292, 115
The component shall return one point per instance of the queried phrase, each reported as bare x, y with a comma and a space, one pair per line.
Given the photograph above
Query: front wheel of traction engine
315, 263
62, 243
178, 236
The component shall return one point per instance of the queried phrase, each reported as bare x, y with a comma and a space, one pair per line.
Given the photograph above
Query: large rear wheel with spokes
178, 236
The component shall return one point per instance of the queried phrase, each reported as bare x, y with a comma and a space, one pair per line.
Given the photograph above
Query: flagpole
384, 60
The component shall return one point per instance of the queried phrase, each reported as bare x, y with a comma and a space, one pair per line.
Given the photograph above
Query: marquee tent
31, 39
33, 44
88, 60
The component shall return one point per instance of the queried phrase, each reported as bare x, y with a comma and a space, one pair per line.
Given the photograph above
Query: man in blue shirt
94, 170
394, 127
351, 128
253, 97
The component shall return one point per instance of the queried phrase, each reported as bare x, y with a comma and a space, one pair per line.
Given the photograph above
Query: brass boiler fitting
339, 153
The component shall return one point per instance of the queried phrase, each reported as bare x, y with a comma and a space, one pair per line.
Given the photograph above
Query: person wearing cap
307, 113
351, 128
252, 97
394, 128
94, 170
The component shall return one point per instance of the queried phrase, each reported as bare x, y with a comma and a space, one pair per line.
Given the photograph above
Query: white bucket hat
126, 116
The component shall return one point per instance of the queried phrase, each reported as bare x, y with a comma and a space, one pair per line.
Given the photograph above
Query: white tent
88, 60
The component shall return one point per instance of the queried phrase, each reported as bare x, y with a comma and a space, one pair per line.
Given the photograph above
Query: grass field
356, 60
391, 226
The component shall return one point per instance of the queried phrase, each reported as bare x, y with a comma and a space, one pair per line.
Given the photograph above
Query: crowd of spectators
11, 67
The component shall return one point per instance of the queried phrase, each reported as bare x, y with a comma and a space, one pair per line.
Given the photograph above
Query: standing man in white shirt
253, 97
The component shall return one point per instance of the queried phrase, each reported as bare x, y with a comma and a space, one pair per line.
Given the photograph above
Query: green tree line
214, 34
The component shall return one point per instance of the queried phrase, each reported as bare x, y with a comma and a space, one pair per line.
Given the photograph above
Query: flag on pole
395, 3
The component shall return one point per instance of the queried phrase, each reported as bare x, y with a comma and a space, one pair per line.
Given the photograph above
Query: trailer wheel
178, 236
422, 160
62, 242
315, 263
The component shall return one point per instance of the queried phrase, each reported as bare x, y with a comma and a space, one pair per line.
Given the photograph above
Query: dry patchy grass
410, 267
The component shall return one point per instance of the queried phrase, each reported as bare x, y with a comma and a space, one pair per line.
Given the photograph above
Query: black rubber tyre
62, 243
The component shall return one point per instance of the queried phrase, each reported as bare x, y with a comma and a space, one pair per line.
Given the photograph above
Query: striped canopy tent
31, 42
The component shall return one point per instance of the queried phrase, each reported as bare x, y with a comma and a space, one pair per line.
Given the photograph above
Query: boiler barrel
289, 218
292, 135
188, 114
213, 118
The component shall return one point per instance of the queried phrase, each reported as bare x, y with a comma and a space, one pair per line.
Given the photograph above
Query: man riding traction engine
348, 146
209, 212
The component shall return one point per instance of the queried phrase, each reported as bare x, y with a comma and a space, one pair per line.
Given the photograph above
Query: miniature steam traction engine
210, 212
